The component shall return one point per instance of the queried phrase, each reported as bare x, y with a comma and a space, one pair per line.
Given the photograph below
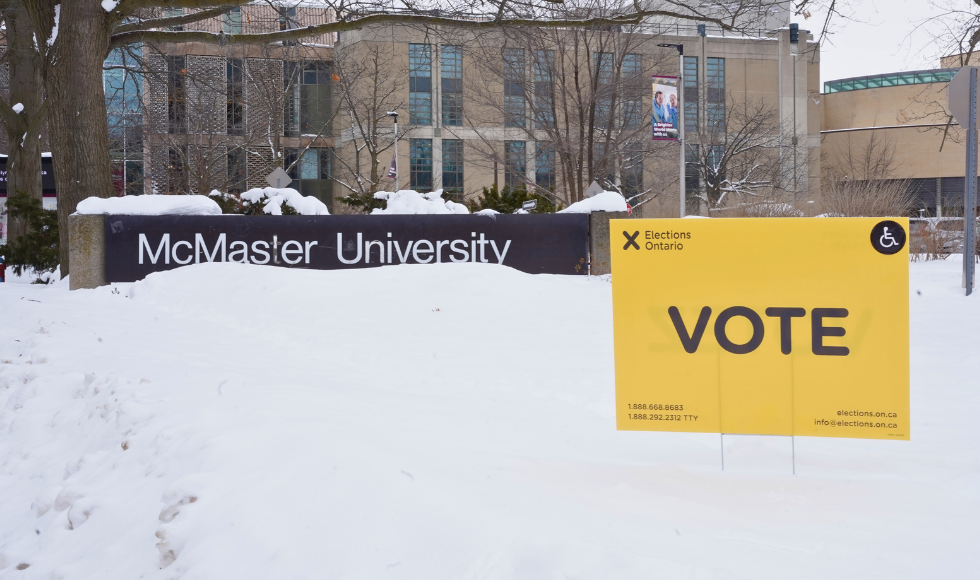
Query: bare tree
860, 179
367, 88
954, 29
22, 110
577, 92
743, 161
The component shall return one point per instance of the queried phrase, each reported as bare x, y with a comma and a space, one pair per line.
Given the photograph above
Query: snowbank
605, 201
451, 421
274, 198
149, 205
408, 201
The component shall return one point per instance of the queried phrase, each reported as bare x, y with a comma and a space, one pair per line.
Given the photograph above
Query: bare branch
157, 23
160, 36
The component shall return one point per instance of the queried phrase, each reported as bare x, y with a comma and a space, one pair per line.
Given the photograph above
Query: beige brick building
500, 107
897, 122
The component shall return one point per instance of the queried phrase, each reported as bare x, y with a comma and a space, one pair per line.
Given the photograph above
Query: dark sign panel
47, 175
537, 244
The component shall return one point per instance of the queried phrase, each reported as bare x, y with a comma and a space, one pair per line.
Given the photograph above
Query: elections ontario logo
888, 237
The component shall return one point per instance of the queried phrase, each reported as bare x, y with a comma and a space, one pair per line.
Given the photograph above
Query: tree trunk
24, 149
77, 119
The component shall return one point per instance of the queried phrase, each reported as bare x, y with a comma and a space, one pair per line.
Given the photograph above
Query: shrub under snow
273, 198
605, 201
408, 201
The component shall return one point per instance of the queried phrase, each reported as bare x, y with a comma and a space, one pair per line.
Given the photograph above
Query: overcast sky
883, 36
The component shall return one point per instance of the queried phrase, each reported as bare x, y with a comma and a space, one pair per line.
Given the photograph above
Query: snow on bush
408, 201
149, 205
274, 198
605, 201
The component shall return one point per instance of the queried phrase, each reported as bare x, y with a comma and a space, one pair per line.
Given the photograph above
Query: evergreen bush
37, 249
364, 202
510, 200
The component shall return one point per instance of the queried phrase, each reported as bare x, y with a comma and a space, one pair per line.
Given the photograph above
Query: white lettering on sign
199, 245
422, 251
351, 250
164, 243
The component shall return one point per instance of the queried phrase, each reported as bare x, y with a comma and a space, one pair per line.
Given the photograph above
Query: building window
716, 94
177, 183
310, 170
231, 21
419, 84
235, 89
544, 165
237, 170
602, 163
134, 177
176, 94
515, 163
288, 21
451, 63
692, 179
691, 98
174, 13
452, 167
634, 85
123, 97
544, 89
420, 164
307, 99
632, 172
514, 114
605, 90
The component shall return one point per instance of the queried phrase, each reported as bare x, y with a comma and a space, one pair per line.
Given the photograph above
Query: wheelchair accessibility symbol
888, 237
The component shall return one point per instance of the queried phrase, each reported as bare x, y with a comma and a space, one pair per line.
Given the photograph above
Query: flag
391, 169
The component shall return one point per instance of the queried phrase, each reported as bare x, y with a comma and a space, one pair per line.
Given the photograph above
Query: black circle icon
887, 237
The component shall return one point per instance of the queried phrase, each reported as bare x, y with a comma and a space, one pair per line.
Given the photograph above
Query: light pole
394, 160
680, 123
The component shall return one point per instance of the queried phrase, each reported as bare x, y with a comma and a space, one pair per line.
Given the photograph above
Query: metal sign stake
793, 440
970, 191
722, 435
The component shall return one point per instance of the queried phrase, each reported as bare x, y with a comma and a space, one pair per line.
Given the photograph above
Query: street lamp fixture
679, 47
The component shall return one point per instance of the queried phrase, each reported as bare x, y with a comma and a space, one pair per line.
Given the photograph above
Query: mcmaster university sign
540, 244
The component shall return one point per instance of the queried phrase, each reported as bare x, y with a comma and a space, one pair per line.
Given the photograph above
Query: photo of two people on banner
665, 112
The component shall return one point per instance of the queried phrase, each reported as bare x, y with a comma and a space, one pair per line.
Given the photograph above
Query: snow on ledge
149, 205
303, 204
409, 201
605, 201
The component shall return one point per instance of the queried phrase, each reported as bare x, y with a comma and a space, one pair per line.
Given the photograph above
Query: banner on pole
770, 326
665, 109
392, 171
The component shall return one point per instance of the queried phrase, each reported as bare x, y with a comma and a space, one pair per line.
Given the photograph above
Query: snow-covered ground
449, 421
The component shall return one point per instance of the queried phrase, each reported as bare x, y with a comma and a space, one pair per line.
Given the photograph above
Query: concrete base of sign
86, 255
599, 240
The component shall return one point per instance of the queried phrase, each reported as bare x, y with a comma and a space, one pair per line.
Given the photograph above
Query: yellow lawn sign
770, 326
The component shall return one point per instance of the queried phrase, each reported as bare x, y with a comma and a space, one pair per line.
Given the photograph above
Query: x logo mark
631, 240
